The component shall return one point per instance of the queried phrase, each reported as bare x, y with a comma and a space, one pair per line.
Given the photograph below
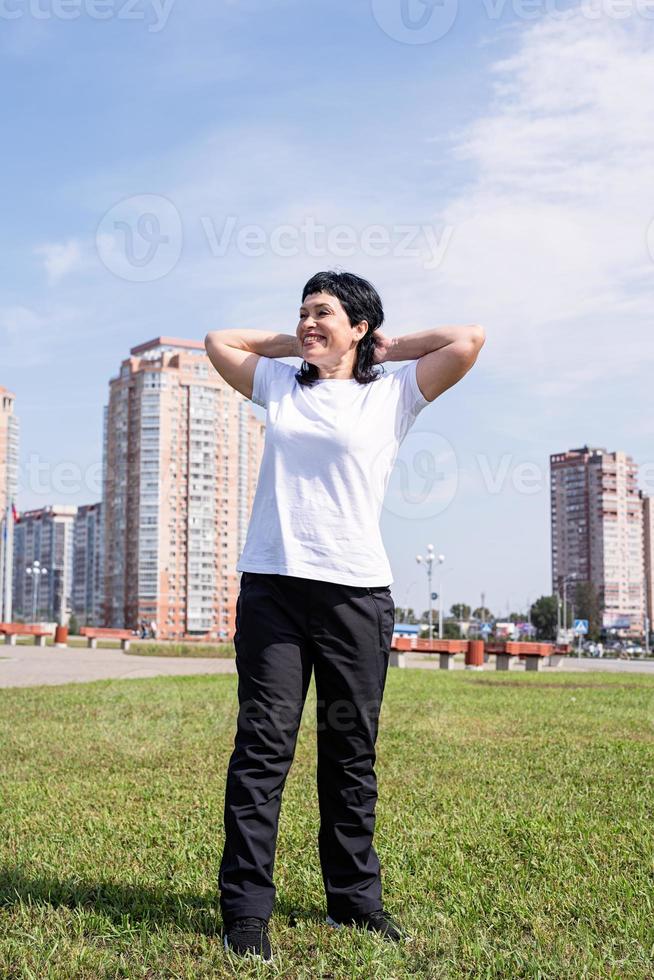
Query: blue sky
506, 163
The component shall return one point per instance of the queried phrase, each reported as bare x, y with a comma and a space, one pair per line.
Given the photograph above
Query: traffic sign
486, 628
580, 626
434, 595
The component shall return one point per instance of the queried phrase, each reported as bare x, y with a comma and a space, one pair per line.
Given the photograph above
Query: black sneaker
379, 921
248, 935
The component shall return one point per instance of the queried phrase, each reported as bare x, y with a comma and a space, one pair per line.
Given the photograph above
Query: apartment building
43, 564
182, 451
598, 533
9, 434
88, 560
648, 528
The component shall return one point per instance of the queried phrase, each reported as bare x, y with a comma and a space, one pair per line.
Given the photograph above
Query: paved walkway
27, 666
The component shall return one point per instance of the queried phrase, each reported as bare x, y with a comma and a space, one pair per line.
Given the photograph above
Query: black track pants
285, 627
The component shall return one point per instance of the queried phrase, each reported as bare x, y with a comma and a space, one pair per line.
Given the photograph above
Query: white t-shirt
328, 454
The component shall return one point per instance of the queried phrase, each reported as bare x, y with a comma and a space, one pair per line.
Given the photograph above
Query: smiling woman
338, 319
315, 587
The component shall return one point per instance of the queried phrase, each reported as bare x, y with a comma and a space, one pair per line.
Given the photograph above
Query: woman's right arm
235, 353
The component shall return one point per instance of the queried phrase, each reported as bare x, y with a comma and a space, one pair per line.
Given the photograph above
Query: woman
315, 585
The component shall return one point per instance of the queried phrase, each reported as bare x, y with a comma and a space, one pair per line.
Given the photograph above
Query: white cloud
28, 337
550, 238
60, 259
549, 244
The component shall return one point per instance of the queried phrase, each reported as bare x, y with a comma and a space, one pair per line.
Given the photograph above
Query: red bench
95, 633
559, 651
533, 653
446, 649
13, 630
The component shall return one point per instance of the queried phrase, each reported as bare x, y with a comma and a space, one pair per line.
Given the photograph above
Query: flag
14, 511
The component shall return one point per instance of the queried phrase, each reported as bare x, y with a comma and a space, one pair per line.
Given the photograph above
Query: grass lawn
515, 829
207, 650
147, 648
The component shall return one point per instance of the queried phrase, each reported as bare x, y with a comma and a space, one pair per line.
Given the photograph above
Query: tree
405, 614
588, 606
483, 613
451, 630
460, 611
73, 624
544, 616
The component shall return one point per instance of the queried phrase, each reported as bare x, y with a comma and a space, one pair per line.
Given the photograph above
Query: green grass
213, 650
148, 648
514, 827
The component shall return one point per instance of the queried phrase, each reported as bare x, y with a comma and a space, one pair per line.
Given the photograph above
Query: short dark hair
361, 301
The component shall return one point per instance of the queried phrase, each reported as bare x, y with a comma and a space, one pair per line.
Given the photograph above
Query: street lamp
566, 578
428, 562
34, 573
406, 601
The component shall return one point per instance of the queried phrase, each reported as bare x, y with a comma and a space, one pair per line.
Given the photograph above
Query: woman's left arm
444, 354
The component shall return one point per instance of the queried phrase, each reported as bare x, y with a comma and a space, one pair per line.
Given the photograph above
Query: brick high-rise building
597, 532
43, 564
8, 491
648, 526
88, 559
181, 460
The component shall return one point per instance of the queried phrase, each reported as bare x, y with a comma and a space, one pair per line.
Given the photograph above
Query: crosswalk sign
581, 626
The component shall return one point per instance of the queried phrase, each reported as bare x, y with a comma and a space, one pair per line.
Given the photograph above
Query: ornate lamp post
34, 572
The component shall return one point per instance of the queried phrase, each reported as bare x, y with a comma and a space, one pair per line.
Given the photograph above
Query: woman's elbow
209, 340
477, 335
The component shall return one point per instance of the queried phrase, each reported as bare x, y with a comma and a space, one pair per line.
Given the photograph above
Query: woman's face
325, 332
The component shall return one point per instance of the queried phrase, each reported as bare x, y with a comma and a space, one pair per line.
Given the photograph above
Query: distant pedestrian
153, 629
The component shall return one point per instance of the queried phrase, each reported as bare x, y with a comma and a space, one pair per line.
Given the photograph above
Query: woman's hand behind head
383, 345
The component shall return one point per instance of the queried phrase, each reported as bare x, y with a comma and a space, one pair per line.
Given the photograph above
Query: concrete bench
446, 649
533, 653
400, 645
476, 652
13, 630
557, 653
95, 633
